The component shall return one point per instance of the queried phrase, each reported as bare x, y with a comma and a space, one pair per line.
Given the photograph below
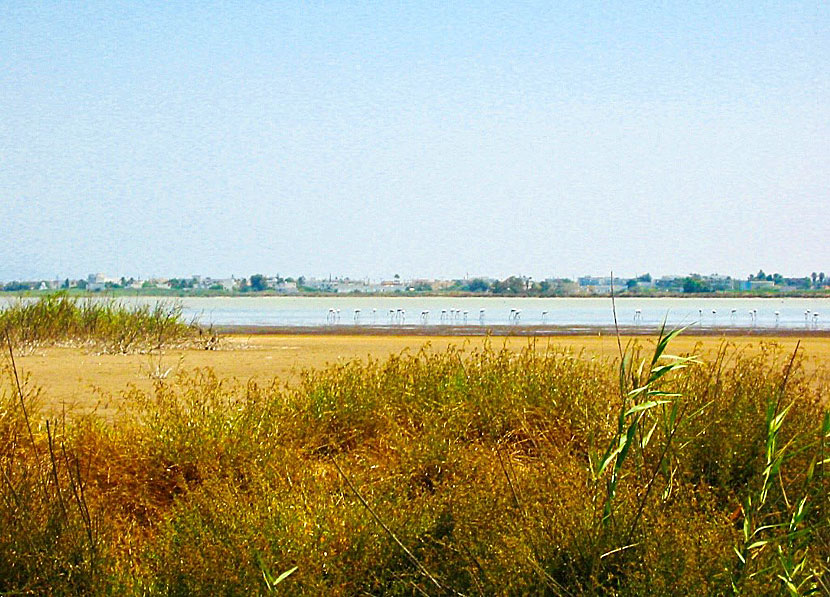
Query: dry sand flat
81, 381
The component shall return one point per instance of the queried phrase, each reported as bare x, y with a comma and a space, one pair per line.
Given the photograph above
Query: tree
16, 286
511, 285
478, 285
180, 283
695, 283
631, 284
258, 283
814, 275
821, 278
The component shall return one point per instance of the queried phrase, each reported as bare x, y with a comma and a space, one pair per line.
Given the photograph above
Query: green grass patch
104, 324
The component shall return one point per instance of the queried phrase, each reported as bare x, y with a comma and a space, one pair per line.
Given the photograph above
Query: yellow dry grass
80, 381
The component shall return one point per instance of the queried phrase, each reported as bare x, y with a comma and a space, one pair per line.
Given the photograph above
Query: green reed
108, 325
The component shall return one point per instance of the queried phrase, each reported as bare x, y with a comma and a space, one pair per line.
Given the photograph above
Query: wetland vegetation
107, 325
474, 471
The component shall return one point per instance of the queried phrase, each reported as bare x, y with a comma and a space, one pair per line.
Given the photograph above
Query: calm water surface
788, 313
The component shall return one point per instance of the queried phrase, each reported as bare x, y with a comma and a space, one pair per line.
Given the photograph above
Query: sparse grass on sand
478, 471
81, 380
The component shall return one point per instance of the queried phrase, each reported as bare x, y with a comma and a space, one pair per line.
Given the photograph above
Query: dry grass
447, 471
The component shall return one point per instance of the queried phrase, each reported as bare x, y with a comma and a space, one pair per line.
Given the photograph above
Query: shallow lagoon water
748, 313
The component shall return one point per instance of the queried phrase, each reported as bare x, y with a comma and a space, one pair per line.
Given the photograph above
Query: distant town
758, 284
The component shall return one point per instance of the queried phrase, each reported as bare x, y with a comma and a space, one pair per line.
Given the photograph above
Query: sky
421, 139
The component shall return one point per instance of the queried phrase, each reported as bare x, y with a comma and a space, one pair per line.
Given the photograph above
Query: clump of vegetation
108, 325
472, 472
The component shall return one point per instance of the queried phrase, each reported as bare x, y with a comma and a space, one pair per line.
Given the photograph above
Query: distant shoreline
123, 293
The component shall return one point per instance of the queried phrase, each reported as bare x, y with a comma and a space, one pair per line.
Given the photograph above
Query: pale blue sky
421, 139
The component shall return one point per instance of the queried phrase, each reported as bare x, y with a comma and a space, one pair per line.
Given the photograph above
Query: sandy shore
82, 381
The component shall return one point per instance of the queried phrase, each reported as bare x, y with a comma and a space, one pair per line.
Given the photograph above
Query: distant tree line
511, 285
